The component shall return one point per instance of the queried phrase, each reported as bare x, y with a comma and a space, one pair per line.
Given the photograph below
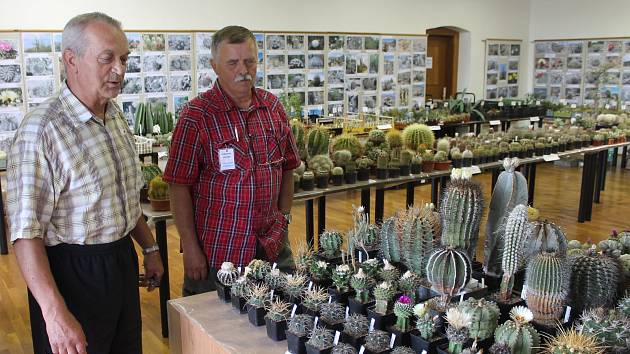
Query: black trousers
99, 284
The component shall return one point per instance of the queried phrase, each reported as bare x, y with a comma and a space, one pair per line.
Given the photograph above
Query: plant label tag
274, 265
424, 352
524, 292
423, 181
483, 282
567, 314
483, 103
495, 122
500, 104
362, 350
226, 159
461, 298
475, 170
347, 312
337, 334
384, 126
445, 104
607, 106
271, 294
392, 340
563, 101
534, 119
360, 257
372, 324
239, 270
513, 103
435, 127
310, 285
573, 105
623, 107
316, 320
551, 157
537, 103
329, 299
293, 310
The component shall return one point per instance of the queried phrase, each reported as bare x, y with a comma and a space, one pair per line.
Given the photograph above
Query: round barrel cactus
228, 274
415, 135
594, 280
484, 317
517, 333
448, 271
330, 243
547, 280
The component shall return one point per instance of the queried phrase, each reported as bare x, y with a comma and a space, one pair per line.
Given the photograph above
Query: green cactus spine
318, 140
547, 280
356, 325
257, 269
448, 271
275, 279
484, 317
330, 243
610, 328
403, 309
594, 280
461, 210
297, 129
383, 293
348, 142
518, 334
517, 230
415, 135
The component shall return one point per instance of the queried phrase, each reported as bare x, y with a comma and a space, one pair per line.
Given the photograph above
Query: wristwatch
151, 249
287, 217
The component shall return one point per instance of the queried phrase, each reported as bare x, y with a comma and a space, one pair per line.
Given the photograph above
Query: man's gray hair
231, 34
73, 37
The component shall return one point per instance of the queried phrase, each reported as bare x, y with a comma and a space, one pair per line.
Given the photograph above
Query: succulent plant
308, 175
320, 164
449, 271
312, 299
405, 157
611, 247
509, 191
348, 142
228, 274
408, 283
295, 285
517, 333
403, 309
515, 237
383, 293
332, 312
394, 139
376, 136
158, 189
362, 235
484, 317
500, 348
457, 330
275, 279
382, 160
610, 328
342, 157
415, 135
425, 323
624, 306
318, 139
303, 257
548, 237
594, 280
547, 280
341, 277
337, 171
300, 325
440, 156
389, 273
461, 210
416, 159
572, 342
377, 341
321, 337
149, 171
443, 144
330, 243
257, 269
343, 348
258, 295
320, 271
240, 287
356, 325
371, 267
278, 310
361, 284
402, 350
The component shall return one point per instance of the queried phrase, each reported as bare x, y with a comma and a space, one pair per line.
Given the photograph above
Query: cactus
405, 157
457, 330
321, 338
402, 350
515, 237
295, 285
500, 348
351, 167
303, 257
382, 160
371, 267
547, 237
440, 156
341, 277
624, 306
320, 271
308, 175
149, 172
610, 328
343, 348
389, 273
547, 280
158, 189
408, 283
330, 243
461, 210
594, 280
403, 309
448, 271
257, 269
415, 135
258, 295
300, 325
484, 317
624, 239
377, 341
356, 325
348, 142
611, 247
394, 139
361, 284
364, 162
518, 334
341, 157
320, 163
318, 139
509, 191
278, 310
332, 312
390, 247
362, 234
425, 324
297, 128
383, 293
443, 144
572, 342
416, 159
275, 279
240, 287
312, 299
228, 274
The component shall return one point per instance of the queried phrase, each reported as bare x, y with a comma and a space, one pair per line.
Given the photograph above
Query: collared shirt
72, 177
233, 207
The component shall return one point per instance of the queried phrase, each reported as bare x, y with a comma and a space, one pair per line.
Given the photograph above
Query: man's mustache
240, 78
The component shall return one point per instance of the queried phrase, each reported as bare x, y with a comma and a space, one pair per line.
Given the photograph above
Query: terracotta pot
442, 165
160, 204
427, 166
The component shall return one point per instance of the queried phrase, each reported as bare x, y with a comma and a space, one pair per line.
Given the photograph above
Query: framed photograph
154, 62
180, 83
132, 85
573, 78
353, 103
203, 41
419, 45
372, 43
594, 61
37, 42
556, 78
276, 61
625, 78
417, 76
388, 83
336, 42
296, 81
419, 60
389, 45
158, 99
515, 50
155, 83
540, 92
493, 50
574, 48
596, 46
614, 46
502, 91
354, 43
351, 64
8, 48
203, 61
39, 66
403, 96
179, 101
57, 42
404, 62
363, 63
370, 83
10, 74
179, 42
404, 45
315, 98
295, 42
335, 94
626, 60
492, 65
260, 41
388, 64
133, 64
10, 120
557, 47
492, 79
315, 42
574, 62
316, 61
153, 42
491, 93
296, 61
541, 78
276, 81
374, 59
512, 78
540, 48
504, 50
388, 99
336, 60
404, 78
369, 102
512, 91
556, 63
179, 62
205, 80
316, 79
417, 91
276, 42
16, 96
513, 65
260, 79
336, 77
336, 109
542, 63
354, 84
40, 88
129, 108
133, 41
572, 93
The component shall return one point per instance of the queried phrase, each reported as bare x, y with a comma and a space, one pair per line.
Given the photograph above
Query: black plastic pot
308, 184
394, 172
223, 292
554, 149
457, 163
539, 151
322, 181
358, 307
360, 254
381, 321
312, 350
338, 326
467, 162
356, 342
402, 338
337, 180
363, 174
547, 150
351, 177
256, 315
476, 160
238, 304
423, 293
404, 170
562, 147
338, 297
381, 173
367, 351
276, 330
416, 168
506, 307
296, 344
418, 344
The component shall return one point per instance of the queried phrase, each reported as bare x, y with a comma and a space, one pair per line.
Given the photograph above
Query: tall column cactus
448, 271
297, 129
516, 234
547, 280
594, 280
461, 210
509, 191
318, 139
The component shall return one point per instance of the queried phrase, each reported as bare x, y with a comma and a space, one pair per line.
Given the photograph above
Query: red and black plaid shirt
234, 208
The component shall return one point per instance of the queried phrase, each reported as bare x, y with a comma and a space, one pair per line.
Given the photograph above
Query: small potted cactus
403, 309
350, 174
377, 342
257, 269
441, 162
226, 276
332, 315
427, 161
337, 176
598, 140
275, 280
518, 334
402, 350
363, 168
382, 163
416, 164
313, 299
467, 158
294, 286
320, 273
149, 171
394, 168
343, 348
457, 331
405, 162
300, 326
341, 283
457, 159
322, 178
320, 340
278, 312
539, 148
361, 284
256, 302
238, 294
330, 246
425, 335
484, 318
308, 181
355, 329
381, 312
159, 194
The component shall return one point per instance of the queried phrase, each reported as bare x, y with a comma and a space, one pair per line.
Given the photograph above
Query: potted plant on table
425, 337
159, 194
341, 283
416, 164
337, 176
312, 300
377, 342
332, 315
355, 329
276, 319
149, 172
320, 340
300, 326
350, 174
381, 312
226, 276
441, 162
403, 309
256, 301
427, 161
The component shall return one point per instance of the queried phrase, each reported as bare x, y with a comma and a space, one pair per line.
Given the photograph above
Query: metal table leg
604, 156
365, 201
165, 287
4, 246
600, 175
410, 193
435, 192
591, 187
380, 205
615, 157
624, 156
321, 215
308, 206
531, 181
586, 170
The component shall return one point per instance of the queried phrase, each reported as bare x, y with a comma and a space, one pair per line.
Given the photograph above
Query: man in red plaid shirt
230, 169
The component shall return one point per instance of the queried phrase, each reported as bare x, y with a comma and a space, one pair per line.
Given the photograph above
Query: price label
330, 115
551, 157
393, 339
567, 314
423, 181
424, 352
329, 299
445, 104
500, 104
384, 126
534, 119
483, 103
513, 103
271, 295
360, 257
550, 55
337, 334
347, 312
537, 103
573, 106
475, 170
239, 270
310, 285
435, 127
274, 265
483, 282
365, 109
623, 107
495, 122
293, 310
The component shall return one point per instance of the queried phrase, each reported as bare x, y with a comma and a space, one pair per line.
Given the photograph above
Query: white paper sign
271, 295
483, 282
226, 159
461, 298
239, 270
384, 126
475, 169
551, 157
329, 299
347, 312
316, 320
435, 127
360, 257
423, 181
563, 101
495, 122
623, 107
337, 334
429, 62
310, 285
424, 352
392, 340
537, 103
445, 104
293, 310
534, 119
567, 314
274, 265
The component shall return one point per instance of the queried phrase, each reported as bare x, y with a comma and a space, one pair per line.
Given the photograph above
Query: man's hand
153, 268
195, 263
64, 332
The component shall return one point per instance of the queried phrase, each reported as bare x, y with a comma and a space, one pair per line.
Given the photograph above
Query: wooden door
442, 46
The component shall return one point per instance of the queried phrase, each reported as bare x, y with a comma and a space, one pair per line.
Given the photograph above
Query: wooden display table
202, 324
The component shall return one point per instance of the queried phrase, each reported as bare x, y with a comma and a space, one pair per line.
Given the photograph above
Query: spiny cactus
389, 273
341, 277
425, 323
361, 284
320, 271
594, 280
312, 299
258, 295
341, 157
318, 139
278, 310
518, 334
228, 274
403, 309
377, 341
320, 164
362, 235
415, 135
405, 157
332, 312
356, 325
624, 306
394, 139
572, 342
297, 128
330, 243
390, 247
149, 172
240, 287
343, 348
300, 325
449, 271
548, 237
348, 142
461, 210
303, 257
295, 285
383, 293
515, 236
408, 283
402, 350
321, 337
257, 269
158, 189
611, 247
275, 279
382, 160
457, 330
371, 267
610, 328
500, 348
547, 280
484, 317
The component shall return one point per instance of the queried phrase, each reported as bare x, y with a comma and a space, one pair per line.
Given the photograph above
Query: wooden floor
557, 197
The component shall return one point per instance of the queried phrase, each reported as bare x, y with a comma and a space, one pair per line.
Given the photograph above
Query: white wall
507, 19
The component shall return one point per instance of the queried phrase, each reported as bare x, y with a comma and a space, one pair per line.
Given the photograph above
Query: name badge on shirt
226, 159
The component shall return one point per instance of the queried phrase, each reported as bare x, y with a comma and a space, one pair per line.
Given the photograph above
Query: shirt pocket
268, 148
239, 151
